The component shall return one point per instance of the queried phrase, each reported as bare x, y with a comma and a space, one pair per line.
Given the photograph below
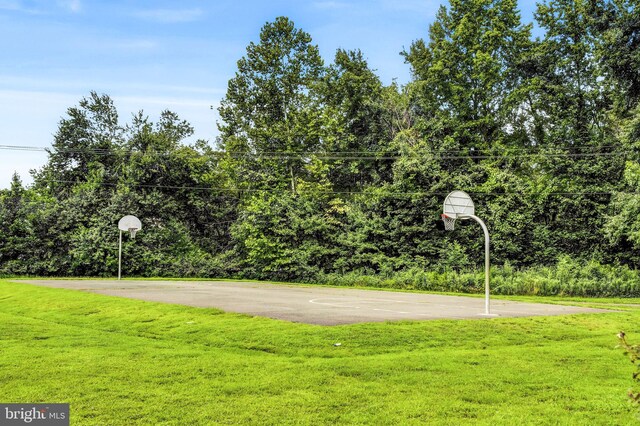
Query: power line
369, 155
392, 193
471, 149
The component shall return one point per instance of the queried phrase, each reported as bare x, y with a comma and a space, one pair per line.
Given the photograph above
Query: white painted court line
316, 302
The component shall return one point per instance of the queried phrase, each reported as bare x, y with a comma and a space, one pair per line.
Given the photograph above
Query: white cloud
170, 16
18, 6
74, 6
40, 7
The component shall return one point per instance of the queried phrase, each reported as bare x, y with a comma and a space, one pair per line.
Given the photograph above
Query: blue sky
156, 55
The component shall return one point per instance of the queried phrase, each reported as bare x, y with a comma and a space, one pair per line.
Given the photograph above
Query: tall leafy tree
617, 22
271, 107
573, 96
142, 168
288, 236
468, 98
465, 75
355, 122
89, 135
581, 156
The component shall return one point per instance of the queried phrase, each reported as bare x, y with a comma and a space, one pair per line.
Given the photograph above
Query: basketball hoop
131, 224
449, 222
458, 205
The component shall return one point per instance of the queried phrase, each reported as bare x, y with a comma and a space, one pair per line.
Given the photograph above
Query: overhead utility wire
414, 193
474, 150
332, 156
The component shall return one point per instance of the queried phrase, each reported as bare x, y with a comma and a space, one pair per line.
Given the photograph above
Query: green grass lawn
122, 362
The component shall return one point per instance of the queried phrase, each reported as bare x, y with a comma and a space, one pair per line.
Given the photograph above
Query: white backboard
129, 222
458, 203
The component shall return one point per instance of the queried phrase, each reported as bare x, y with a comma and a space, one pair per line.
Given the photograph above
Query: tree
617, 23
468, 98
573, 96
288, 236
465, 76
89, 135
69, 224
31, 241
354, 122
580, 153
271, 107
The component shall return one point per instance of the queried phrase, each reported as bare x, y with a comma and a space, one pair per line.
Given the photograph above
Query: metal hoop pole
487, 305
120, 257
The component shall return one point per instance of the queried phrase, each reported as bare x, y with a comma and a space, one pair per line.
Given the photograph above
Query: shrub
568, 277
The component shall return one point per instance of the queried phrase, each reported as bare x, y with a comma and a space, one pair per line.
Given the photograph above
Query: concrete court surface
312, 305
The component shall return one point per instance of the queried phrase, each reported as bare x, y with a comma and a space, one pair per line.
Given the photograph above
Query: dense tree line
321, 169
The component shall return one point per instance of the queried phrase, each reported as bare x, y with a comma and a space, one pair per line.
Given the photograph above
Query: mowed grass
122, 362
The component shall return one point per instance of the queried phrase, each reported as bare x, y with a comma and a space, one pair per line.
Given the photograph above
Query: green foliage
624, 225
271, 106
566, 278
89, 136
284, 236
619, 46
66, 224
355, 122
323, 171
466, 74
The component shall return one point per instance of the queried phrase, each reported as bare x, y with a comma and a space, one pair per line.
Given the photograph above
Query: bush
568, 277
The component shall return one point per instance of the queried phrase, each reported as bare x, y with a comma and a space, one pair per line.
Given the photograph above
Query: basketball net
133, 231
449, 222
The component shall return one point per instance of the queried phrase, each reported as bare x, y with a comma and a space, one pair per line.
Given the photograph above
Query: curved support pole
487, 306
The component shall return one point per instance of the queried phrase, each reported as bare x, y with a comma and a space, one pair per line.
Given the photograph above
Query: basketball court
311, 305
317, 304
